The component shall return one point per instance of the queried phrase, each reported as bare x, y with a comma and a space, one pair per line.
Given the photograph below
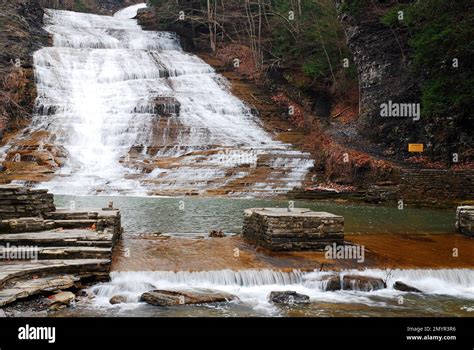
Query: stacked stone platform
465, 220
17, 201
44, 249
281, 229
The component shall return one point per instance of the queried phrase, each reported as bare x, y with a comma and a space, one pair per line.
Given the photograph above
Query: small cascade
253, 286
128, 112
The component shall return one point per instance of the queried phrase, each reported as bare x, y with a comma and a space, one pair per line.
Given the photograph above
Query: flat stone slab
25, 288
66, 214
283, 229
46, 253
59, 238
24, 269
294, 213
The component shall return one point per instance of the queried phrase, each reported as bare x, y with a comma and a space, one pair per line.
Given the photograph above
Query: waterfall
132, 113
254, 286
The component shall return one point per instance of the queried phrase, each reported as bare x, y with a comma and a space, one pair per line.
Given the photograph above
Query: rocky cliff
382, 38
21, 34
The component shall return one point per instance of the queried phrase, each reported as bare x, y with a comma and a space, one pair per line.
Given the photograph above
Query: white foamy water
254, 286
97, 87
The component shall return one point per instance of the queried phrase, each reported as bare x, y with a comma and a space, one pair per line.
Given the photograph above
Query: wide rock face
196, 296
383, 58
281, 229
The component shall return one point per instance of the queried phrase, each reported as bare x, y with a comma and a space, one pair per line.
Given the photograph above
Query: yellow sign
415, 147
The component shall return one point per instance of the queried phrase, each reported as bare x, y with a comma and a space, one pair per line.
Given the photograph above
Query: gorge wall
21, 34
410, 52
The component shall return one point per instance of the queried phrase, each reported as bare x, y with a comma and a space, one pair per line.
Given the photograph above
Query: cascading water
253, 286
136, 115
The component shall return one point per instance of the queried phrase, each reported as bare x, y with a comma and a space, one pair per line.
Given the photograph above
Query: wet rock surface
332, 283
403, 287
118, 299
288, 297
195, 296
362, 283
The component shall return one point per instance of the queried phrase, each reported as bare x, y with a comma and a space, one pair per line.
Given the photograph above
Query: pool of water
200, 215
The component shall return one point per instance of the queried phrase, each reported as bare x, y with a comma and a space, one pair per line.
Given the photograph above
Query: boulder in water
332, 283
288, 297
398, 285
362, 283
195, 296
118, 299
217, 234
